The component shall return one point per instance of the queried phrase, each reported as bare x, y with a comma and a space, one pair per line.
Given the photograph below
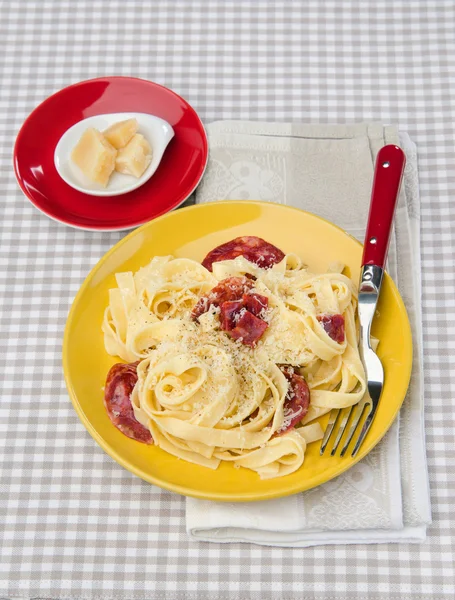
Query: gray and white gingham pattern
76, 525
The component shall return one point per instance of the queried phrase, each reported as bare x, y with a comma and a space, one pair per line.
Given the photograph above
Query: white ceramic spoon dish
157, 131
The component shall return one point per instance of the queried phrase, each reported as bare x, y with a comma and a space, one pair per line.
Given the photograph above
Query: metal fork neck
370, 279
369, 288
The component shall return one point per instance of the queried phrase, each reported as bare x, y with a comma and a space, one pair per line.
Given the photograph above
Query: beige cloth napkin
328, 170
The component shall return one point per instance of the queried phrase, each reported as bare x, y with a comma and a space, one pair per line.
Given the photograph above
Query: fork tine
341, 430
334, 414
355, 422
364, 431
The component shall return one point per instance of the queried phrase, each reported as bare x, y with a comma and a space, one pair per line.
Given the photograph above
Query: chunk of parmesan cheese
119, 134
135, 157
94, 156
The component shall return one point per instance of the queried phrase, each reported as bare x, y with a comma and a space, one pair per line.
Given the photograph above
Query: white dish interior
157, 131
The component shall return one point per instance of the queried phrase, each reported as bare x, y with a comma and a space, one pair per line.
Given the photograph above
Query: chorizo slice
254, 249
120, 382
297, 400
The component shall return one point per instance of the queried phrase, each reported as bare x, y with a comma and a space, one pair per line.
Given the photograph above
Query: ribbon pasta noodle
206, 397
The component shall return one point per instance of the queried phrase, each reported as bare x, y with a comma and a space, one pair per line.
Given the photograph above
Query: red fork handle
386, 187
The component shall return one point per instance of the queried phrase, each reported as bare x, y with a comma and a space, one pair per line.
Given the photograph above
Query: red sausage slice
228, 314
248, 328
228, 290
297, 400
232, 310
255, 249
333, 326
255, 303
120, 382
238, 308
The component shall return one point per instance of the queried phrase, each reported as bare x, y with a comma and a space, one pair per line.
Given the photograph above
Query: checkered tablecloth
73, 524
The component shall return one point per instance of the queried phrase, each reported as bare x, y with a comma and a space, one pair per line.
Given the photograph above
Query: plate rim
215, 496
97, 228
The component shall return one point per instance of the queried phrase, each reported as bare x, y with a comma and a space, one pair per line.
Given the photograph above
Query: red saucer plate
178, 175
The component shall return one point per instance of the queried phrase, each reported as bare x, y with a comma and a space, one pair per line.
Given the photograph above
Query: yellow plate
192, 232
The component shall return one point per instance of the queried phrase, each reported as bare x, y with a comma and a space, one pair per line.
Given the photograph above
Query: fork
389, 169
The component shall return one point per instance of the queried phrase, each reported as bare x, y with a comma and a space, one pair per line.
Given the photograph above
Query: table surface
75, 524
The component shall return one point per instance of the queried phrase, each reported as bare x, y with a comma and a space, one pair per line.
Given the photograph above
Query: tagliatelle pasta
234, 362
